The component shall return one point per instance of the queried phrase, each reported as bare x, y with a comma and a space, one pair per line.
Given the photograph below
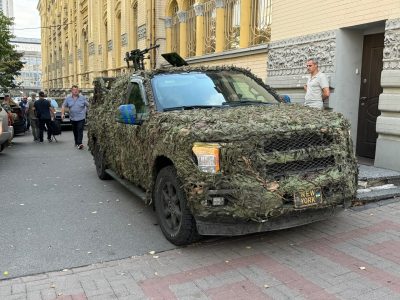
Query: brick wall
301, 17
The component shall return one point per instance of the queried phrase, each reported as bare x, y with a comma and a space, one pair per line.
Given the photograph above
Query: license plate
307, 198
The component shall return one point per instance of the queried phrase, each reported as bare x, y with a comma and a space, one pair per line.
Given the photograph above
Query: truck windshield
205, 89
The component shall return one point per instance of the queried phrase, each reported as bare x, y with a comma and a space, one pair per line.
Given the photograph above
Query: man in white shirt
317, 87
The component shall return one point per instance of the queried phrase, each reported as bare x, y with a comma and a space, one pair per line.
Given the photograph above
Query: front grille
280, 170
298, 141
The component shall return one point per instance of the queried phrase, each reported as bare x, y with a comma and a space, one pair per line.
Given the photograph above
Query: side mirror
126, 114
285, 98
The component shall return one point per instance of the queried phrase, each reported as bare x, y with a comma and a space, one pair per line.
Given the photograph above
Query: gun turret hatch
174, 59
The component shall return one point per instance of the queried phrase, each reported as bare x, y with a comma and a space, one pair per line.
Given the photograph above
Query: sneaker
50, 140
80, 147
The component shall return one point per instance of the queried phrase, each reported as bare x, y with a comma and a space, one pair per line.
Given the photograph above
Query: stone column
168, 33
220, 27
199, 10
182, 16
245, 6
388, 123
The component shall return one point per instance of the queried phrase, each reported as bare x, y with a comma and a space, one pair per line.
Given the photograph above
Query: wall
300, 17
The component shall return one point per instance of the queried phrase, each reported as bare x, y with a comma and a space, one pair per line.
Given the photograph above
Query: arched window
175, 28
210, 24
260, 21
191, 29
232, 24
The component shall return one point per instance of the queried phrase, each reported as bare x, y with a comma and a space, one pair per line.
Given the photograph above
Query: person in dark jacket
44, 112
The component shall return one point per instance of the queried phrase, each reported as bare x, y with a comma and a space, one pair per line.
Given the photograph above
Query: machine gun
137, 57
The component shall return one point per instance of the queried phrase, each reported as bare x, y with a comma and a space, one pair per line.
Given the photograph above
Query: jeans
77, 128
43, 122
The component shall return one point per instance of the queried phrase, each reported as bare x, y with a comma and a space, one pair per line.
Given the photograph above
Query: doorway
370, 90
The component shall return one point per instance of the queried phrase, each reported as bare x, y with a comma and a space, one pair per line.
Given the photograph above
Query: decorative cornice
391, 52
182, 16
168, 22
142, 32
124, 39
288, 57
392, 24
199, 9
219, 3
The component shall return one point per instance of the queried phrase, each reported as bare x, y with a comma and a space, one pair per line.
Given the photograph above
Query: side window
135, 97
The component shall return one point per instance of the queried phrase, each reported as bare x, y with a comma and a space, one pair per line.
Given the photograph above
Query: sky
26, 15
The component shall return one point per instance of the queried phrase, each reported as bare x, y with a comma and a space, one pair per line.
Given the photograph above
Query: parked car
66, 121
6, 131
217, 152
18, 119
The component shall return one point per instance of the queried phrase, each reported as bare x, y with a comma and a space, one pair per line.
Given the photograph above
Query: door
369, 94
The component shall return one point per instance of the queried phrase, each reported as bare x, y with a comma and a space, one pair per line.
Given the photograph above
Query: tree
10, 59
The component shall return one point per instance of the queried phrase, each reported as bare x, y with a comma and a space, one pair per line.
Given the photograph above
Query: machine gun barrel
137, 57
150, 48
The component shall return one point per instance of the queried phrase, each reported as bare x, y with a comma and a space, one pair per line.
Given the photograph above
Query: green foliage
10, 59
248, 170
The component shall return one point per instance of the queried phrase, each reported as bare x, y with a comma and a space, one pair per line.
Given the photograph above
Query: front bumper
290, 219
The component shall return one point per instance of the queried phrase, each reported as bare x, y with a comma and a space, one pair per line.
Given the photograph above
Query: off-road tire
174, 217
99, 162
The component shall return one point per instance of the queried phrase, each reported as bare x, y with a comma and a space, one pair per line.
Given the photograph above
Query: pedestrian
33, 120
45, 113
77, 105
24, 110
317, 87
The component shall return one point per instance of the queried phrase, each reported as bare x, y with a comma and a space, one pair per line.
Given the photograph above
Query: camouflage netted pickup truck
216, 152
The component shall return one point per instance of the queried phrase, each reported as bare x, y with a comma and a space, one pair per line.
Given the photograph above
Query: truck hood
238, 123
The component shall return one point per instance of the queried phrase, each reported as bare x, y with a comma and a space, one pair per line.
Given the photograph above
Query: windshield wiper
246, 102
187, 107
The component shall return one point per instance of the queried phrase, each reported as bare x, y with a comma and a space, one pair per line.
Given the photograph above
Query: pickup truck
217, 152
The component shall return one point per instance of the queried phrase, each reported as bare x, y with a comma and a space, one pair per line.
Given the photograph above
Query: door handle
363, 98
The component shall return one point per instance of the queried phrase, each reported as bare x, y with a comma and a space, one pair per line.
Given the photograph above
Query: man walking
44, 112
317, 87
77, 105
33, 120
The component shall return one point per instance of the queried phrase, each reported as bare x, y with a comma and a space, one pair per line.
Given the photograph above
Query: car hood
238, 123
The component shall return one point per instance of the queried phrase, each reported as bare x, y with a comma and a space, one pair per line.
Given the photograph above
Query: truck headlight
207, 156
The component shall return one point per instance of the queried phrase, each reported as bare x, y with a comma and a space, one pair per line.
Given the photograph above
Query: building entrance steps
376, 184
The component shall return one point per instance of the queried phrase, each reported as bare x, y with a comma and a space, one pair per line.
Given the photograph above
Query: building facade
86, 39
30, 77
6, 6
356, 42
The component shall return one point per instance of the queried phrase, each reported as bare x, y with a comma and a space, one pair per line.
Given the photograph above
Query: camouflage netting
249, 171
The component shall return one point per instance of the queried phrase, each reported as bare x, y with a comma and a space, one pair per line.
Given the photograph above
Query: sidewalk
355, 255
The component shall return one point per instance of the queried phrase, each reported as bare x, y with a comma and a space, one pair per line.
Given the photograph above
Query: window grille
260, 21
210, 23
232, 24
191, 30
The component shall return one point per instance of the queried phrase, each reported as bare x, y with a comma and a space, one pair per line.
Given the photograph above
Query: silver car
6, 131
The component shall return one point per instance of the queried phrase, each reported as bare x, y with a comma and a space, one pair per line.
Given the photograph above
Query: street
55, 213
68, 235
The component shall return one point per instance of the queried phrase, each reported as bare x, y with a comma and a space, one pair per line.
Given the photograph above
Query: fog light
218, 201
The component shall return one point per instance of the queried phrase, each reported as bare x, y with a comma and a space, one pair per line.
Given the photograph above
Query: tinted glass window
208, 89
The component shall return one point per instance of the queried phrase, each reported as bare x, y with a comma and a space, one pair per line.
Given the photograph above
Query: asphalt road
56, 214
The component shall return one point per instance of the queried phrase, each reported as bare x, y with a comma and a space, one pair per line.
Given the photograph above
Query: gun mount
137, 57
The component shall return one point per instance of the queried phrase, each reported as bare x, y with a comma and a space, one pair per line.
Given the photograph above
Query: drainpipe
153, 34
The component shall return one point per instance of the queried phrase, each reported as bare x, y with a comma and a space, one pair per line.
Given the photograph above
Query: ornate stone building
84, 39
356, 42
